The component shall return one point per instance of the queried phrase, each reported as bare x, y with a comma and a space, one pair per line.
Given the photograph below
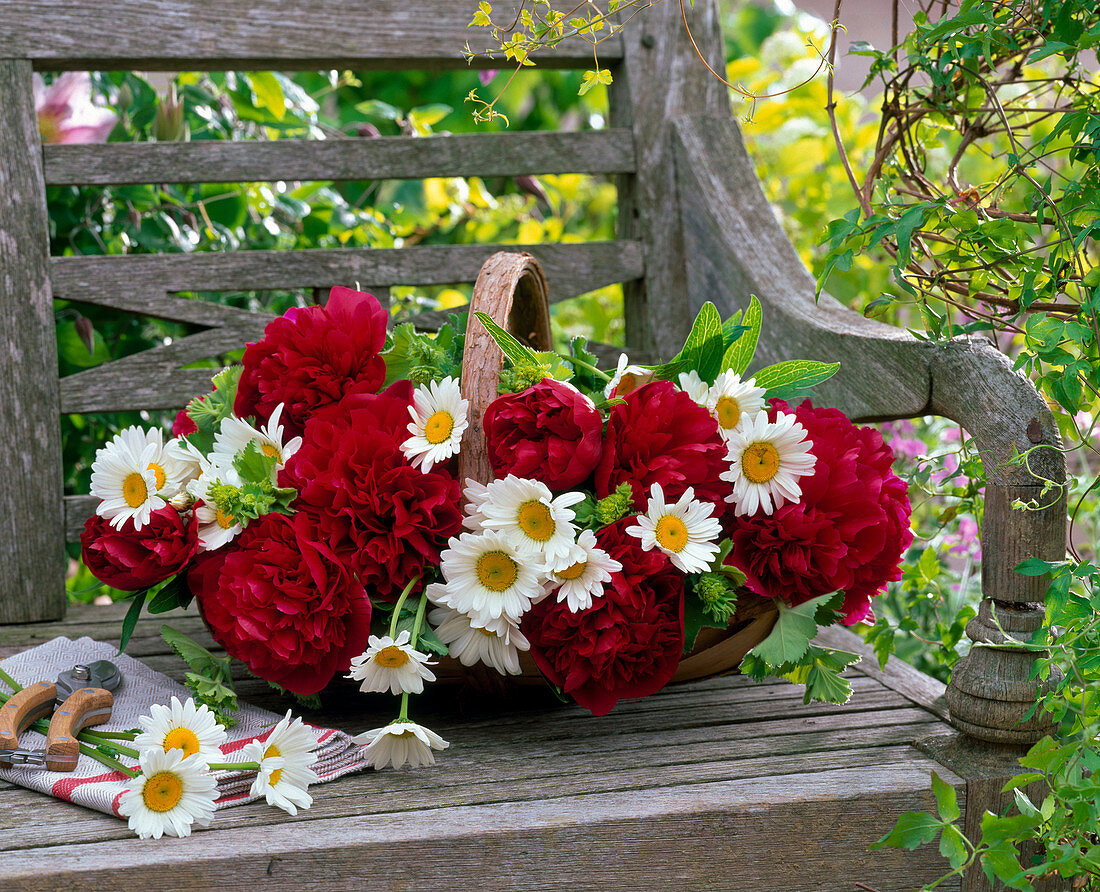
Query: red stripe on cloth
63, 789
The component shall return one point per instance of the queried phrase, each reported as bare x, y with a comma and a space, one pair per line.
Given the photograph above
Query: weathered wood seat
722, 788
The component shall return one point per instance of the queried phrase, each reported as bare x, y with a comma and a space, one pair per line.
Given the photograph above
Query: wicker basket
511, 289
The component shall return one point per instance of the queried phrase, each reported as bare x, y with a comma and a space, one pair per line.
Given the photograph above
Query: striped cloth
92, 784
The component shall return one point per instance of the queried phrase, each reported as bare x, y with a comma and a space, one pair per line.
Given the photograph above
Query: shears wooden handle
84, 707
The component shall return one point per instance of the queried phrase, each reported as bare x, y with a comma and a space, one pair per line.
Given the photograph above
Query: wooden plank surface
388, 157
282, 34
694, 785
571, 269
31, 540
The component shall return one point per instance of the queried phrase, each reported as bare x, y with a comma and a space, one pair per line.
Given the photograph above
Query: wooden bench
719, 783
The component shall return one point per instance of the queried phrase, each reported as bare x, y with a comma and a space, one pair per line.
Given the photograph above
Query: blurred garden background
771, 48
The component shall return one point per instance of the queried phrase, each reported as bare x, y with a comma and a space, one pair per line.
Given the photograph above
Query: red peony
183, 425
550, 432
130, 559
628, 643
280, 601
848, 533
661, 435
310, 357
387, 519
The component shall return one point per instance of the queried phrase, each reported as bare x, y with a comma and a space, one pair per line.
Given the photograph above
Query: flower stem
400, 603
585, 365
97, 739
234, 766
403, 715
107, 760
15, 686
112, 735
419, 621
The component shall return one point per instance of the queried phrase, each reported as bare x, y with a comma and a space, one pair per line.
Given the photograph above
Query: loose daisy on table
171, 793
216, 526
191, 729
285, 757
438, 423
583, 579
134, 477
498, 645
686, 531
767, 458
732, 401
392, 665
236, 433
486, 578
400, 743
530, 519
626, 378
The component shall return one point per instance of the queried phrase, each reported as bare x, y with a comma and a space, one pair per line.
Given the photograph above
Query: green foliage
210, 677
793, 631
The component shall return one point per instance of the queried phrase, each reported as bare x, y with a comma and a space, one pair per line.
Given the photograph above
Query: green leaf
426, 640
793, 379
790, 637
254, 465
947, 803
269, 92
914, 828
211, 678
174, 593
1001, 863
953, 846
516, 352
741, 351
376, 108
703, 347
130, 620
1034, 567
823, 681
583, 377
696, 618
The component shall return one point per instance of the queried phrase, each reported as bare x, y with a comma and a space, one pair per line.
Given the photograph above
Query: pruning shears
80, 697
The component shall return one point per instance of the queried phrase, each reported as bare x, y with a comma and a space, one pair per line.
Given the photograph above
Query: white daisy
694, 386
526, 513
400, 742
497, 645
216, 526
182, 726
285, 757
127, 476
686, 531
583, 579
392, 665
626, 378
487, 578
733, 401
766, 460
474, 495
235, 434
186, 458
171, 793
438, 423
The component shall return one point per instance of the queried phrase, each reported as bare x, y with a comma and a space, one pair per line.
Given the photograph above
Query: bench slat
388, 157
572, 269
197, 34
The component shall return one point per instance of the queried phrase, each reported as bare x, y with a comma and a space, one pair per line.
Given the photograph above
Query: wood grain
280, 34
32, 558
389, 157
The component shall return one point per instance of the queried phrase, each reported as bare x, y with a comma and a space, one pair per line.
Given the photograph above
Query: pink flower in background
897, 435
66, 113
965, 541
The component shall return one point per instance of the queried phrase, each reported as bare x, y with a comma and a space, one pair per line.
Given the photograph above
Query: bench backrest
656, 76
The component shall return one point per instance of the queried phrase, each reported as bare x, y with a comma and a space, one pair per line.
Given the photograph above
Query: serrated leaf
794, 629
741, 351
947, 803
516, 352
914, 828
254, 465
793, 379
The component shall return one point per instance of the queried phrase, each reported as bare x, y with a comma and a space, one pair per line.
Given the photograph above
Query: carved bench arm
734, 247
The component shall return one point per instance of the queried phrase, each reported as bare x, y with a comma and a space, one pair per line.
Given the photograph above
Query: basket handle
510, 289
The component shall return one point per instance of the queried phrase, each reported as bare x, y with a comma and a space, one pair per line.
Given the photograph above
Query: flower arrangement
311, 505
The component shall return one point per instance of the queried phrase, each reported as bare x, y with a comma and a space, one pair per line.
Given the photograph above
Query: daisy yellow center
760, 462
496, 571
269, 450
728, 411
162, 792
392, 657
182, 739
573, 572
158, 474
437, 429
535, 520
225, 519
134, 490
485, 632
671, 533
278, 772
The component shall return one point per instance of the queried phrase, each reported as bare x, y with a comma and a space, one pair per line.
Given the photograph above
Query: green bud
169, 123
619, 504
423, 374
718, 594
523, 375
